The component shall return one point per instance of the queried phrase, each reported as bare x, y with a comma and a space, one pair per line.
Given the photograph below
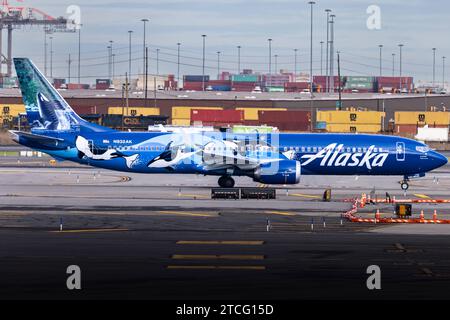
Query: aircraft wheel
226, 182
405, 185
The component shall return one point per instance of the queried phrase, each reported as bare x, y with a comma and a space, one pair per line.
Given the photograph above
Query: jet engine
282, 172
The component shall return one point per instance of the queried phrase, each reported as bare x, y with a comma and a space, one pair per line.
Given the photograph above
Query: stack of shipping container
350, 121
295, 121
361, 84
181, 116
245, 82
392, 84
407, 123
217, 118
195, 82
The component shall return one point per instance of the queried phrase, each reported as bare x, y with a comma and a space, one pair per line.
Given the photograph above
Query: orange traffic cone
435, 215
422, 216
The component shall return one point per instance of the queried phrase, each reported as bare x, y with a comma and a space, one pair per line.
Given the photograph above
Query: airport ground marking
299, 195
217, 257
422, 196
91, 230
254, 268
193, 196
190, 214
281, 213
220, 242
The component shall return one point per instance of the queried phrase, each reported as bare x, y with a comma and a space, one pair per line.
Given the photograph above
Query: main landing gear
226, 182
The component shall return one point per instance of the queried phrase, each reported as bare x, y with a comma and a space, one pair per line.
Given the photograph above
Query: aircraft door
401, 151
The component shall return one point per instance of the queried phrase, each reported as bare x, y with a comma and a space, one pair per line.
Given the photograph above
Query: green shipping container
357, 79
275, 89
245, 78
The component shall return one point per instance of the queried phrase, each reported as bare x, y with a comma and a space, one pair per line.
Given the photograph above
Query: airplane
273, 159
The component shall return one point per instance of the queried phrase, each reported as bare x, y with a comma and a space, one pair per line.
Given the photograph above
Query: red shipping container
224, 116
219, 82
197, 86
86, 110
284, 116
76, 86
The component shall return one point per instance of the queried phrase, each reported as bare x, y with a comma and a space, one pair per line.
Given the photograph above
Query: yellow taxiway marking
280, 213
306, 196
422, 196
216, 257
190, 214
239, 243
216, 267
193, 196
90, 231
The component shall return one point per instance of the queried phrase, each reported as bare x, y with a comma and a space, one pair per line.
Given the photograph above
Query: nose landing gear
404, 184
226, 182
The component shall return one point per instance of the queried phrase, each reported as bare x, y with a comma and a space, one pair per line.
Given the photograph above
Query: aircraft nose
438, 159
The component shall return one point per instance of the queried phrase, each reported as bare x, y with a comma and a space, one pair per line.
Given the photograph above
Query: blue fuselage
319, 154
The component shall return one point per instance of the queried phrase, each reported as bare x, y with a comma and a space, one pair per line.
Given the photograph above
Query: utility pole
295, 63
393, 64
327, 71
218, 65
270, 56
239, 59
203, 62
401, 51
339, 76
434, 67
178, 65
130, 32
321, 58
69, 63
381, 59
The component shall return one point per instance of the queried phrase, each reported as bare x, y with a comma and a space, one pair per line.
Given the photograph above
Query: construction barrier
351, 216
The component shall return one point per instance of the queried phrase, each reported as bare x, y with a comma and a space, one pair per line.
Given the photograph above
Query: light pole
332, 52
129, 53
239, 59
69, 62
393, 64
110, 59
113, 57
276, 64
218, 65
321, 58
203, 62
311, 3
178, 65
443, 72
270, 55
401, 52
145, 44
51, 57
327, 71
45, 52
79, 53
157, 62
295, 63
109, 62
434, 66
381, 59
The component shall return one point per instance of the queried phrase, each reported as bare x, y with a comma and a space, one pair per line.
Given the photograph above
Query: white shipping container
432, 134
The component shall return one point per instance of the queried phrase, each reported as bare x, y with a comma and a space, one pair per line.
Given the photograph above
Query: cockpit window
422, 149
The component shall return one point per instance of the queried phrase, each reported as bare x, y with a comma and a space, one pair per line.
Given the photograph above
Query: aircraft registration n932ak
266, 158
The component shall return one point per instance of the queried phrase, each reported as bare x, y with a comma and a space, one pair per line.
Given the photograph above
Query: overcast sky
419, 24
